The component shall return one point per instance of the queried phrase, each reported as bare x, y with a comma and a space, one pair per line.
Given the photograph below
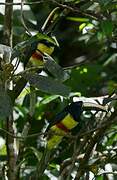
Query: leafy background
87, 37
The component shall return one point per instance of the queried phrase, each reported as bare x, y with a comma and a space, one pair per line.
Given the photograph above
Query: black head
75, 109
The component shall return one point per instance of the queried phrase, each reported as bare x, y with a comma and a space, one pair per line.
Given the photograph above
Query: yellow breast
55, 139
45, 49
69, 122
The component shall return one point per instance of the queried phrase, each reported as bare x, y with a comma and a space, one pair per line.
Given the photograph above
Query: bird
31, 54
42, 47
63, 123
34, 48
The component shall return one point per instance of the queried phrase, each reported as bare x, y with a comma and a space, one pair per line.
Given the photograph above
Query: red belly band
37, 56
62, 126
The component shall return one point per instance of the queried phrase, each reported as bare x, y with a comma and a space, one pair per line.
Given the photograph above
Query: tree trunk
10, 141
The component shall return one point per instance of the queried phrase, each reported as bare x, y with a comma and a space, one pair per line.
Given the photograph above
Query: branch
8, 24
25, 3
77, 10
64, 6
92, 143
22, 19
107, 122
10, 142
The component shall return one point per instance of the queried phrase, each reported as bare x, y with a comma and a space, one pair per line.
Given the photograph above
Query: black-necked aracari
68, 119
63, 123
35, 58
43, 46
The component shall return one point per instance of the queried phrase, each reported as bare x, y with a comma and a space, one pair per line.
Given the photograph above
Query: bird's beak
93, 106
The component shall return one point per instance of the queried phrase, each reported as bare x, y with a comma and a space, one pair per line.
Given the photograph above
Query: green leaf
47, 84
100, 177
55, 69
86, 6
111, 59
49, 99
107, 27
3, 150
78, 19
104, 2
21, 48
5, 105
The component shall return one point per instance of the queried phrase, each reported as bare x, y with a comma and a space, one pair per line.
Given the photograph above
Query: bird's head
76, 108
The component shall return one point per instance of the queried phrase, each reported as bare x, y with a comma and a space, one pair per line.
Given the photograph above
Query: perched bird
31, 53
43, 46
63, 123
34, 48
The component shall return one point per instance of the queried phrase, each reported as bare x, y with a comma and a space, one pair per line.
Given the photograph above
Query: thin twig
29, 70
106, 123
93, 141
75, 154
25, 3
64, 6
74, 9
21, 137
22, 19
49, 18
